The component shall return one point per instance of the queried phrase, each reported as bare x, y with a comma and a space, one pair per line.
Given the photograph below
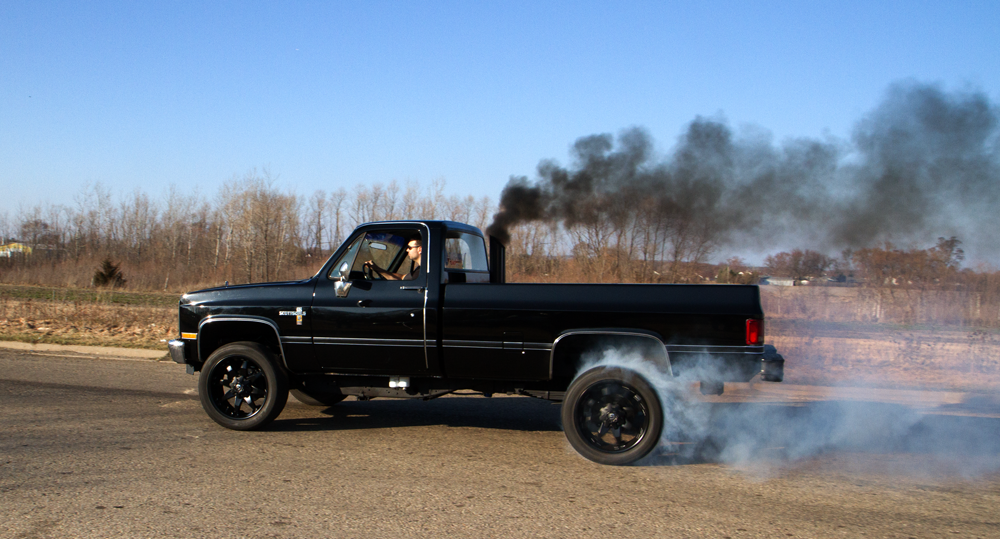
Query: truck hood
239, 291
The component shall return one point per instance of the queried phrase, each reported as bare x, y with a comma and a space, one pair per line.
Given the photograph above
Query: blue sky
333, 94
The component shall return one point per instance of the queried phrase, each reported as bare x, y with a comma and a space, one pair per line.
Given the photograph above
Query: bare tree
337, 200
319, 209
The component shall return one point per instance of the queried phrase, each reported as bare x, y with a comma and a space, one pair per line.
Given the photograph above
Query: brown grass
96, 324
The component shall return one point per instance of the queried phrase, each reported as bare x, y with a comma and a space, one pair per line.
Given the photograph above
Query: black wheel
242, 387
612, 416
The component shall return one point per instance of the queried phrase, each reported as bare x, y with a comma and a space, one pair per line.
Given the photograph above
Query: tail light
755, 332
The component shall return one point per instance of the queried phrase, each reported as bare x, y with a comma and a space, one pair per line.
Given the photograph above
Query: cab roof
431, 223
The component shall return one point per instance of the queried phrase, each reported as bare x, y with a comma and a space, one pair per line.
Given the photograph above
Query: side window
384, 248
345, 263
465, 252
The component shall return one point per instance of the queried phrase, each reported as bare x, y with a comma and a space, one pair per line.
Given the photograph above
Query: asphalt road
121, 448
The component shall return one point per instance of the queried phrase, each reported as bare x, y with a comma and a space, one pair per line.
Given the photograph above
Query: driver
413, 251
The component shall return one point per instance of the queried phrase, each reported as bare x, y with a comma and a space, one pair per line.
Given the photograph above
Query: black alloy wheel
242, 387
612, 416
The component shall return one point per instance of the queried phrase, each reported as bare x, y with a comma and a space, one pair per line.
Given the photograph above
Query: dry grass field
829, 336
81, 316
856, 336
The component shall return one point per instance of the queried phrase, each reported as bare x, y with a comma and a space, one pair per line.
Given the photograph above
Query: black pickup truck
454, 324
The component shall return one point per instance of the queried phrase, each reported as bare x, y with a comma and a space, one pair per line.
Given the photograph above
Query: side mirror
344, 271
342, 287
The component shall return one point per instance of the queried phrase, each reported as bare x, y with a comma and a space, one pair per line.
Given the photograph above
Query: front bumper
176, 347
177, 353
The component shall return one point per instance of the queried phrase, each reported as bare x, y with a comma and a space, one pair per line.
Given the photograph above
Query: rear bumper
715, 366
772, 365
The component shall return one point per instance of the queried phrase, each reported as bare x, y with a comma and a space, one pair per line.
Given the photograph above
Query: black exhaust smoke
924, 163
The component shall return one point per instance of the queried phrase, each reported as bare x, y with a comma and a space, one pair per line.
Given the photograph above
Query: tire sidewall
277, 385
632, 379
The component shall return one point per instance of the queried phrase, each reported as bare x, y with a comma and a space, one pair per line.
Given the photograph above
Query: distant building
8, 250
778, 281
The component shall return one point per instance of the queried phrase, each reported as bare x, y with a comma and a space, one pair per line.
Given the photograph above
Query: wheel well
217, 334
574, 350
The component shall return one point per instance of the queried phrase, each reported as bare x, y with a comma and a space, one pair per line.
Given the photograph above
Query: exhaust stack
498, 261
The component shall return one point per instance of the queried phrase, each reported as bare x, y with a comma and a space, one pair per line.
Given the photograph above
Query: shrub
109, 274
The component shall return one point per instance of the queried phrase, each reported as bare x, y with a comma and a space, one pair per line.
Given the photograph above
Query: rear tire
242, 387
612, 416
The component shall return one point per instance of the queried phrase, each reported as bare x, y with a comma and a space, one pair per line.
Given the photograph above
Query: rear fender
575, 348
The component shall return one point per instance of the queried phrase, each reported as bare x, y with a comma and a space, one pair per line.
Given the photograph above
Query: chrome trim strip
552, 355
257, 319
297, 340
497, 345
412, 343
427, 361
715, 349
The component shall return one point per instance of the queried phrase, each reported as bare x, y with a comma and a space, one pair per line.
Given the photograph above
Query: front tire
242, 387
612, 416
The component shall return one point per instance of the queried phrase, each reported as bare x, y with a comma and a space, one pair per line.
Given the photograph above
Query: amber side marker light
755, 332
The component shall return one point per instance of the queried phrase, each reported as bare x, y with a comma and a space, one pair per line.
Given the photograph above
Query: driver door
365, 323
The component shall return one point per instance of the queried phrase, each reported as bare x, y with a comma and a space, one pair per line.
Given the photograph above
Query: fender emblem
298, 313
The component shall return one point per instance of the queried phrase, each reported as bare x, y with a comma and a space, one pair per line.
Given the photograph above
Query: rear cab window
465, 258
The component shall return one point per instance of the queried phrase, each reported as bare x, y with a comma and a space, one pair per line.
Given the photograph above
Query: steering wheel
369, 272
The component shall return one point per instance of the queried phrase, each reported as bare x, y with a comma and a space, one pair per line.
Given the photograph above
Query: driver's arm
384, 273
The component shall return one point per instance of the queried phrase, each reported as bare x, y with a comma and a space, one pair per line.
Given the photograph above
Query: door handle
364, 302
417, 288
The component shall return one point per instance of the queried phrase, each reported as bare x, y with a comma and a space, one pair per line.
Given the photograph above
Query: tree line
252, 231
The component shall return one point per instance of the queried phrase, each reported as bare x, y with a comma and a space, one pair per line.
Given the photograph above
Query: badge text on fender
298, 313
